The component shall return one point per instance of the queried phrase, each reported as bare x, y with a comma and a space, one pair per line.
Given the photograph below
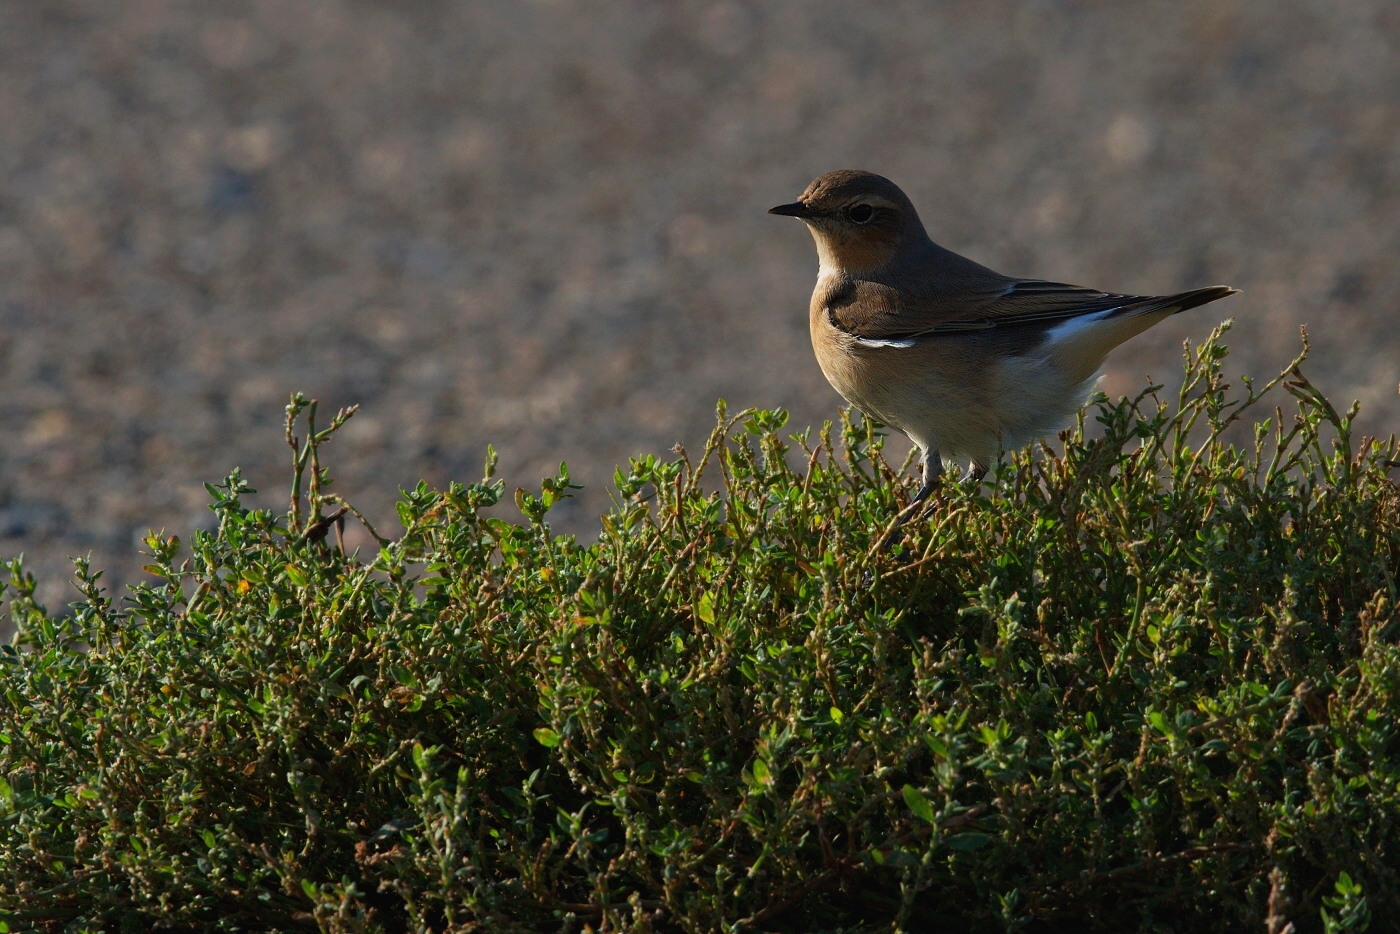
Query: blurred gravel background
541, 224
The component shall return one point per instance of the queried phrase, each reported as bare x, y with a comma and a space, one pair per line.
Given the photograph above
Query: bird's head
861, 221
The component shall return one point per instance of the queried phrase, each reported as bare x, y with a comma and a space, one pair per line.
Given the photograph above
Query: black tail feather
1182, 301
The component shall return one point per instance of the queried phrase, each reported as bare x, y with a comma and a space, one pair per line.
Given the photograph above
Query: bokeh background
541, 224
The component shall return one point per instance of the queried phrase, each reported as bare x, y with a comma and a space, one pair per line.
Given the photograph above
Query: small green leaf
209, 839
546, 737
968, 841
420, 757
295, 575
917, 803
310, 889
706, 609
761, 772
837, 716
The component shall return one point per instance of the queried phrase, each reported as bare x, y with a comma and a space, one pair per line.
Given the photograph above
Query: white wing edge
870, 342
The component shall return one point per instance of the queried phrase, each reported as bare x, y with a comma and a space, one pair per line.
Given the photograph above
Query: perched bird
963, 360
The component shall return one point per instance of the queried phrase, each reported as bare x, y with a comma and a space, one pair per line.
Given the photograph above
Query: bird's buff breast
867, 378
835, 352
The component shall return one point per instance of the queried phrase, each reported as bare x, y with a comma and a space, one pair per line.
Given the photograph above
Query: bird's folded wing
881, 313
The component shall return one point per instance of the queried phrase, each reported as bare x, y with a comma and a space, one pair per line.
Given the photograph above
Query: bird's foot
973, 478
915, 504
908, 513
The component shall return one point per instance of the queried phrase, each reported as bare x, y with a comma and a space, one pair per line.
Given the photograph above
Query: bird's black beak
796, 209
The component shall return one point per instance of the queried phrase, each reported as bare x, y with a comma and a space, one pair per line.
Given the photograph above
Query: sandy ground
541, 224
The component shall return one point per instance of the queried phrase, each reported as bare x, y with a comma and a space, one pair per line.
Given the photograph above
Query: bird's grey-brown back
962, 359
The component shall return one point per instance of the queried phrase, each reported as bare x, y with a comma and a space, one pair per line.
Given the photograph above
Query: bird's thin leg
932, 474
975, 472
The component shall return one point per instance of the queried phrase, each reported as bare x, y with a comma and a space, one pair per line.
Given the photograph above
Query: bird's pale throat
866, 253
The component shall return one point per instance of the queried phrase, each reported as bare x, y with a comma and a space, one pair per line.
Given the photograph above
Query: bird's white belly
948, 398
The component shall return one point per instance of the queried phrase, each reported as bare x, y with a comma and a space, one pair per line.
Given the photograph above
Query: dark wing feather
1017, 303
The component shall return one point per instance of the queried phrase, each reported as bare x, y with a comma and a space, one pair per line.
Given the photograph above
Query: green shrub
1147, 684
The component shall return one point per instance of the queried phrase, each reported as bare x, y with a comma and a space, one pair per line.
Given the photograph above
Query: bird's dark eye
861, 213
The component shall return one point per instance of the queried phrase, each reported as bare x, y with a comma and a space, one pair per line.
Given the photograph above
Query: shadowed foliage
1147, 683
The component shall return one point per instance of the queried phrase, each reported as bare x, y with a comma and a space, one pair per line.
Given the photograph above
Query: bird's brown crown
858, 219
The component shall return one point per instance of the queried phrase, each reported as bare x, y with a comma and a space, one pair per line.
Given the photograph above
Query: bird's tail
1080, 349
1172, 304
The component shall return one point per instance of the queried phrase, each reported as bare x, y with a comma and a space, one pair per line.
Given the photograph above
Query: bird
965, 361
